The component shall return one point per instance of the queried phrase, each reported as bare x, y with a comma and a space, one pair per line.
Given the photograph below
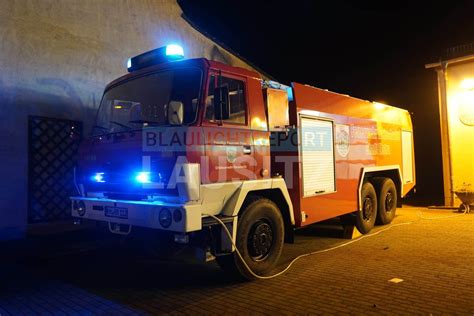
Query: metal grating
459, 51
53, 145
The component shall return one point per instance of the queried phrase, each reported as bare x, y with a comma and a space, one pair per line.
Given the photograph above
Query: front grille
130, 192
118, 179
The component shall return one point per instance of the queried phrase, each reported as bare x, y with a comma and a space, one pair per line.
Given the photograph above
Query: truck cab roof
203, 63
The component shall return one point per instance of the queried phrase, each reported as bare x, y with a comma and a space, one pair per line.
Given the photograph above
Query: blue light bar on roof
174, 51
289, 91
156, 56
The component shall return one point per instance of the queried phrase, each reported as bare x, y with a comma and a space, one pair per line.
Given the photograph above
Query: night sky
371, 51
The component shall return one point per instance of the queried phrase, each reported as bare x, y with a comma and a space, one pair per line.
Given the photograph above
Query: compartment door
317, 156
407, 153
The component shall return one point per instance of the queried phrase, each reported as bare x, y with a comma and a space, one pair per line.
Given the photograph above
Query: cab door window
238, 106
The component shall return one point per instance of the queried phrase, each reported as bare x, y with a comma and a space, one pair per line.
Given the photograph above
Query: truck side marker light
229, 235
395, 280
379, 106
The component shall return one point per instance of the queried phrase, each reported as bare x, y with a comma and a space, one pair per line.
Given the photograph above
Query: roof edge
450, 61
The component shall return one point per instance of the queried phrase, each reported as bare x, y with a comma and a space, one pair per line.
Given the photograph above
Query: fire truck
192, 148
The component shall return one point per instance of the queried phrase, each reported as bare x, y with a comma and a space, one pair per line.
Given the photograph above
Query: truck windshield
144, 101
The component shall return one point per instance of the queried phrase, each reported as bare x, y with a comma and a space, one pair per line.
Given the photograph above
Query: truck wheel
260, 236
366, 216
387, 200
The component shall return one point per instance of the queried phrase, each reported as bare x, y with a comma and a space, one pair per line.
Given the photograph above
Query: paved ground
434, 258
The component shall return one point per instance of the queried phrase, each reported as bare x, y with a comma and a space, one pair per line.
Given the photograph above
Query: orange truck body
374, 140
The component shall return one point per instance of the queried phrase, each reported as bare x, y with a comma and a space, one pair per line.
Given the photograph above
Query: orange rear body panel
374, 141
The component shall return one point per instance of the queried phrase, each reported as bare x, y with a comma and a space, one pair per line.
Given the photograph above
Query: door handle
247, 150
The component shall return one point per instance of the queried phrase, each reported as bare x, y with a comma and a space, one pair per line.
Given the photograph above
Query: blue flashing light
289, 91
157, 56
174, 51
143, 177
98, 177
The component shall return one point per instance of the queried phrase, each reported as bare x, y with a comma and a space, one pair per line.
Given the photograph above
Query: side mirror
175, 113
221, 103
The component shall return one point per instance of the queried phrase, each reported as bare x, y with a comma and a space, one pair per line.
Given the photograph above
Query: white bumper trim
141, 213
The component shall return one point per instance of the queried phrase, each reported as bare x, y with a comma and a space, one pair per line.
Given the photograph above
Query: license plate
119, 212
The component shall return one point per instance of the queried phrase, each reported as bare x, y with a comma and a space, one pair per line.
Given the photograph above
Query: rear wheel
260, 235
387, 200
365, 217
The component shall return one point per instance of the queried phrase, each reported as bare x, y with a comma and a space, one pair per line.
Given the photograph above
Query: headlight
98, 177
80, 207
143, 177
165, 217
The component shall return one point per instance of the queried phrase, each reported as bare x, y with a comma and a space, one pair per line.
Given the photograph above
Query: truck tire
260, 236
387, 200
366, 216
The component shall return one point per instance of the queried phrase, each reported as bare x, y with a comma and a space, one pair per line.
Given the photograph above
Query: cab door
228, 143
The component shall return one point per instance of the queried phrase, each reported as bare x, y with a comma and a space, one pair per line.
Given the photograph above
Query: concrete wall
460, 111
456, 108
55, 59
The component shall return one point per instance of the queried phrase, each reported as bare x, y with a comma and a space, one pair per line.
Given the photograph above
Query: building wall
460, 111
57, 56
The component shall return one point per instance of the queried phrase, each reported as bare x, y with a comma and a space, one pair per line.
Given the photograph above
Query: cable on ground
229, 235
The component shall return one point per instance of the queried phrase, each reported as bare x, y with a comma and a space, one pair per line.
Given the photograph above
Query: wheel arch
276, 196
393, 172
272, 189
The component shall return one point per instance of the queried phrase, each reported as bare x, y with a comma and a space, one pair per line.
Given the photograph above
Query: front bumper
140, 213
